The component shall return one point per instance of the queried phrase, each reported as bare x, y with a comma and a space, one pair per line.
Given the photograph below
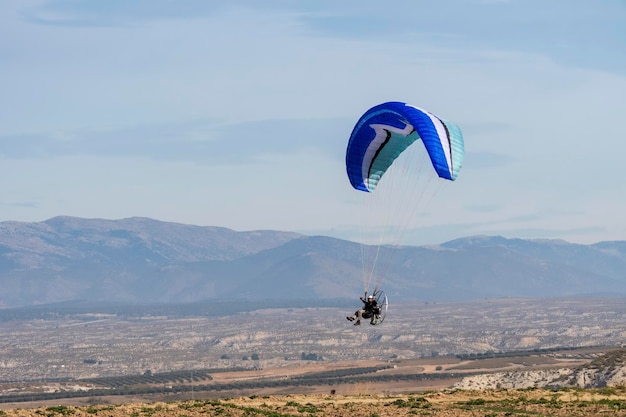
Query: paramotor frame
383, 303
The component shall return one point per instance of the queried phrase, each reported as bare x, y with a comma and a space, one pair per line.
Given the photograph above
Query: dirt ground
500, 403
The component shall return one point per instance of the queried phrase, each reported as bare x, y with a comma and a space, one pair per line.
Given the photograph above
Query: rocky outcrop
606, 370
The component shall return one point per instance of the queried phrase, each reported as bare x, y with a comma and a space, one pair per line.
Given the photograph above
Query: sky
237, 113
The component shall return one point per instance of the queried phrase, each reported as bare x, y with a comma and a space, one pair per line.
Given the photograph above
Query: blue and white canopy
386, 130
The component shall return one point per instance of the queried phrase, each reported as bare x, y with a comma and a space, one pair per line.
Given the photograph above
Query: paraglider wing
386, 130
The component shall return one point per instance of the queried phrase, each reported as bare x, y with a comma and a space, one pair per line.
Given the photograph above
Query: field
369, 388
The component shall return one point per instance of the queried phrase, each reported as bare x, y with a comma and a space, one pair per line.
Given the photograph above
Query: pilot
368, 311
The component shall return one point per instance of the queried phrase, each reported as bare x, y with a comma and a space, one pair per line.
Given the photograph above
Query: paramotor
383, 303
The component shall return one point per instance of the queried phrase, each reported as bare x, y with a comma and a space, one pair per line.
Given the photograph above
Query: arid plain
71, 352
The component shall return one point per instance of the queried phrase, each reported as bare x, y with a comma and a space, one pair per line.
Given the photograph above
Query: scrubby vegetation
490, 403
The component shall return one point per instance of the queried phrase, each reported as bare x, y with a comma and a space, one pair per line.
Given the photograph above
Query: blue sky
237, 114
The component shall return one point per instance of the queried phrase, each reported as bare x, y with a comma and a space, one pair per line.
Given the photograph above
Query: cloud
553, 28
197, 141
19, 204
82, 13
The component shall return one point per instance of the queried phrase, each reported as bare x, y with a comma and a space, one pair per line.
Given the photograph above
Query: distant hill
140, 260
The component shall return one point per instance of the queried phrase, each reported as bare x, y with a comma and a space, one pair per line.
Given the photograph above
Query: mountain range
140, 260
